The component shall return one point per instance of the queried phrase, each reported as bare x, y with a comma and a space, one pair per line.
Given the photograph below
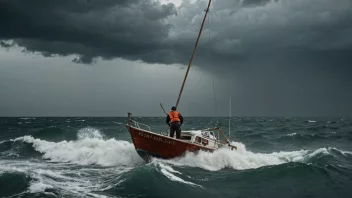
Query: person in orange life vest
174, 119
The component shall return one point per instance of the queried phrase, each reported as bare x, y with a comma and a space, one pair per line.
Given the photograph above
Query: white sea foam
88, 149
27, 118
68, 178
90, 133
3, 141
242, 159
168, 172
65, 180
346, 152
36, 187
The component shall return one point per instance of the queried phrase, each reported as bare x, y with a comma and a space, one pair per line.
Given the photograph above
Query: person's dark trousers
175, 126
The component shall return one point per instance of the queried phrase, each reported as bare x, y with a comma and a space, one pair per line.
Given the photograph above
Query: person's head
173, 108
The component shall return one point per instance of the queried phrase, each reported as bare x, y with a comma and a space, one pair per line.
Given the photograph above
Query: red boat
150, 144
160, 145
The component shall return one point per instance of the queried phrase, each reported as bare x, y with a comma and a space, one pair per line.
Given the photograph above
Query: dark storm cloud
89, 28
292, 26
161, 33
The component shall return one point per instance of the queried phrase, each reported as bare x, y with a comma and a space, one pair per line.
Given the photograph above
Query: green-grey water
94, 157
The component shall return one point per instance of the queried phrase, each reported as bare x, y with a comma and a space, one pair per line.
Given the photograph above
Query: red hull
151, 144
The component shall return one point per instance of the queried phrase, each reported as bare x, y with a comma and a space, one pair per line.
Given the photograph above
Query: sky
107, 57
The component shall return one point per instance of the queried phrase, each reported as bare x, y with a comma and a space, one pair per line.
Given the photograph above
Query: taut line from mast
230, 117
194, 50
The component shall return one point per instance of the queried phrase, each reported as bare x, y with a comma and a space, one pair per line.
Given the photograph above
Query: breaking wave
90, 133
243, 159
89, 149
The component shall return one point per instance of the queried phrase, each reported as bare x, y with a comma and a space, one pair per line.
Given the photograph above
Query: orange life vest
174, 116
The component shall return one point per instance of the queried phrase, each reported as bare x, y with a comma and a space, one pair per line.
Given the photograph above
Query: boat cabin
201, 137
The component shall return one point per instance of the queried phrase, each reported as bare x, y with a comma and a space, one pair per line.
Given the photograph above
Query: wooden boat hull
149, 144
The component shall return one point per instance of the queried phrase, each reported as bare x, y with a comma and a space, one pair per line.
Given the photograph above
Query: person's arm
167, 120
181, 118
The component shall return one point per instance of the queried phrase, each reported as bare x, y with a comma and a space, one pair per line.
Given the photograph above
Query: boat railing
140, 125
137, 124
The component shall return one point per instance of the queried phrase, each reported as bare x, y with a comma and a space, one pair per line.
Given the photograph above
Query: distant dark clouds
90, 28
163, 33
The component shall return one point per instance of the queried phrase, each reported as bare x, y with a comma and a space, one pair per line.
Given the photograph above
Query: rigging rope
215, 113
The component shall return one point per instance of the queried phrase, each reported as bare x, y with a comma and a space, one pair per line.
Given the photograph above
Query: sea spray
241, 159
89, 133
87, 150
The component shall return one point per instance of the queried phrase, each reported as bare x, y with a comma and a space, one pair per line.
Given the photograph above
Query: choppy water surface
94, 157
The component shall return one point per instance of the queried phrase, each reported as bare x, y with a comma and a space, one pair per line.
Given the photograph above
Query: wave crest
88, 149
242, 159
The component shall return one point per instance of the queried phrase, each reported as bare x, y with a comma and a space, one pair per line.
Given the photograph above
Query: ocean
94, 157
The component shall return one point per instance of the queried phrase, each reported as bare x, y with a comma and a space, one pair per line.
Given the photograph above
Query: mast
194, 51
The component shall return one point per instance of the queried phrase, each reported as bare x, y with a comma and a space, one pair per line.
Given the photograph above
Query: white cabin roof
199, 133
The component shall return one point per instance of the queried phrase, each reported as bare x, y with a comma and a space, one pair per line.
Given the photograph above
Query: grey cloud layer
160, 33
89, 28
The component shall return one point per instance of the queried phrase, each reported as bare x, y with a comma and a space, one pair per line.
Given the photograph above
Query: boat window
186, 137
198, 139
204, 142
